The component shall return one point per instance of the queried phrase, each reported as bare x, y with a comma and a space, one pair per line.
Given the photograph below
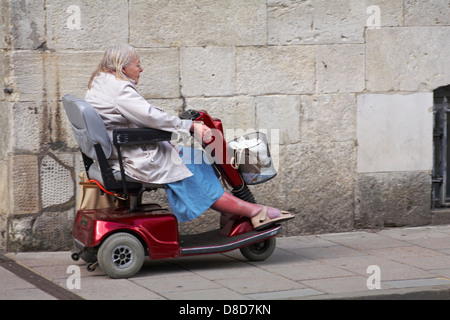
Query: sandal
262, 219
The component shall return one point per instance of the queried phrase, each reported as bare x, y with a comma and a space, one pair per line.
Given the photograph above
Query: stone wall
348, 84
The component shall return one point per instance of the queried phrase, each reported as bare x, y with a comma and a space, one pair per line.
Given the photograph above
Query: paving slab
15, 288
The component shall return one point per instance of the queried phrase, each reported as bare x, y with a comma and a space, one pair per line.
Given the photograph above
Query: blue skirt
190, 197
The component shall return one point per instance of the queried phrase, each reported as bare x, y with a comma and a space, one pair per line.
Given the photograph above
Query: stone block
50, 231
40, 126
24, 177
65, 140
237, 113
56, 226
78, 168
315, 182
427, 13
3, 72
416, 64
293, 22
5, 37
395, 132
340, 68
27, 19
27, 132
28, 86
53, 74
175, 23
3, 232
6, 123
391, 13
393, 199
19, 233
208, 71
440, 216
161, 75
328, 118
6, 73
4, 189
57, 181
275, 70
281, 113
208, 221
83, 24
68, 72
316, 22
171, 106
55, 133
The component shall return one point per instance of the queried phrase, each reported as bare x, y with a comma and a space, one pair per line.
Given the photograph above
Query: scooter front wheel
121, 256
259, 251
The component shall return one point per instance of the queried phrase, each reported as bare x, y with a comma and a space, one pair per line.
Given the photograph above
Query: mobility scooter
119, 238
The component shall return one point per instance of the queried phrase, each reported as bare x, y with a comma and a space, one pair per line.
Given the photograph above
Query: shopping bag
91, 197
251, 156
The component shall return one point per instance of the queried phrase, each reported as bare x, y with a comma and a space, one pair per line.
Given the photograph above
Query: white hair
114, 60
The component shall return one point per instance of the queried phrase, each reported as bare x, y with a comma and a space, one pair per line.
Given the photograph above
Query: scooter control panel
190, 114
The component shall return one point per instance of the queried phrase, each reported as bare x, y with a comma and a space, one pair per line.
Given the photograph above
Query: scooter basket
251, 156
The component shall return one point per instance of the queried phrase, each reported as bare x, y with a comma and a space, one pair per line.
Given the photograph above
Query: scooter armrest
134, 136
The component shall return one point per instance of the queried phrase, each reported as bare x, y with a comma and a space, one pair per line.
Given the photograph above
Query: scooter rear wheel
259, 251
121, 256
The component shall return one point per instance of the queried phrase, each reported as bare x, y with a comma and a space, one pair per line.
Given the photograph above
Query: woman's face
133, 70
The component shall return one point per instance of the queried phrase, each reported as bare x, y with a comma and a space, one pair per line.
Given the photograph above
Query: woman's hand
201, 132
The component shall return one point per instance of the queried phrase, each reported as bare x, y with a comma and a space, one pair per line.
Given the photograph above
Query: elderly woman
191, 188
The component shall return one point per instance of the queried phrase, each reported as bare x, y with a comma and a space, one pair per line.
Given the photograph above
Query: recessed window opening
441, 148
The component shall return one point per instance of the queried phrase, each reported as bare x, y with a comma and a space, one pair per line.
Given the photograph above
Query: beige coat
121, 106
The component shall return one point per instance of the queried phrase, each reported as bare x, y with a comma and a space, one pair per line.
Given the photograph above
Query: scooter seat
96, 147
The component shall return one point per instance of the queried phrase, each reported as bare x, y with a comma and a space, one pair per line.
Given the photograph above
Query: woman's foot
269, 216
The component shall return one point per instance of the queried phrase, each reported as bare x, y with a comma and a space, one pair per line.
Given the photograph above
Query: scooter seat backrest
87, 126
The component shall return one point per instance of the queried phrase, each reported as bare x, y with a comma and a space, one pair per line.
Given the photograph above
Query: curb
423, 293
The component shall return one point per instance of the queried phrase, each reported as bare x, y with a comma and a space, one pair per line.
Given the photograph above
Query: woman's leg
229, 204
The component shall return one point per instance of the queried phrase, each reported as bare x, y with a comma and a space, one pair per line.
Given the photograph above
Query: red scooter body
153, 225
157, 230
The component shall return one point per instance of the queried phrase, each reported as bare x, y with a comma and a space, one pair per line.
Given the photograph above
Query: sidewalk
402, 262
